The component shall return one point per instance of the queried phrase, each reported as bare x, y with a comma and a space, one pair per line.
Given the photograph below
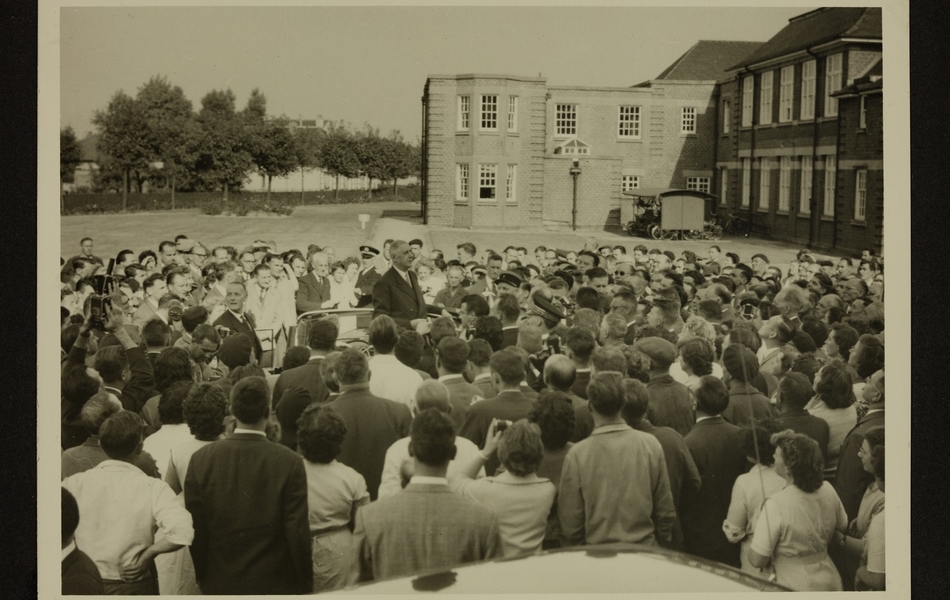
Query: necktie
263, 293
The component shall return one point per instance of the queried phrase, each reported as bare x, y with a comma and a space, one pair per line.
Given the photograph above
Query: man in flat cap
369, 275
670, 403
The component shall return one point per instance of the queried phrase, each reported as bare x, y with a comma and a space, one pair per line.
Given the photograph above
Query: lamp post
575, 171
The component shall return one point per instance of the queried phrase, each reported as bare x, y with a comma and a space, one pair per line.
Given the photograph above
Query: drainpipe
424, 170
575, 171
815, 221
751, 155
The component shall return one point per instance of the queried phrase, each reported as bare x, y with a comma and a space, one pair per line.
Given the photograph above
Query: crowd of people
497, 404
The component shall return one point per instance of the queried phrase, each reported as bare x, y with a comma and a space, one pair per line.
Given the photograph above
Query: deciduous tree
223, 157
124, 138
69, 157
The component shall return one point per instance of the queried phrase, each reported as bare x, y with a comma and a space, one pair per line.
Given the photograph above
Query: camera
501, 425
100, 300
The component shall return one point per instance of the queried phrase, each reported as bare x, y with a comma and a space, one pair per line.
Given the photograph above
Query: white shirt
398, 453
160, 444
256, 431
68, 549
120, 507
429, 480
393, 380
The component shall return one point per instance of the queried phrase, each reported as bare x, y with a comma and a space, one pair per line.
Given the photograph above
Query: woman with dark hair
203, 410
520, 499
867, 358
751, 489
334, 492
863, 543
841, 339
696, 358
796, 524
149, 260
554, 414
834, 402
745, 333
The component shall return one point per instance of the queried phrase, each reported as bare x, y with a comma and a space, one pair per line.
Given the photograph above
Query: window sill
484, 201
782, 213
857, 223
629, 140
827, 218
862, 130
463, 132
687, 134
461, 202
766, 126
785, 123
827, 119
803, 215
491, 132
513, 134
762, 211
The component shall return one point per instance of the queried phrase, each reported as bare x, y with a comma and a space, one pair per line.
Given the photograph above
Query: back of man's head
110, 362
712, 397
453, 354
608, 359
740, 363
193, 316
489, 328
559, 372
432, 438
322, 335
636, 401
581, 343
432, 393
479, 353
77, 385
795, 391
530, 337
442, 327
508, 366
250, 400
121, 434
383, 334
606, 394
587, 297
477, 305
205, 332
351, 367
508, 309
156, 334
408, 349
96, 410
70, 515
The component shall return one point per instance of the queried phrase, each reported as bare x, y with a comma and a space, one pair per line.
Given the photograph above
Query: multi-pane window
807, 110
863, 112
765, 177
688, 119
726, 116
464, 112
629, 122
805, 199
746, 180
565, 117
748, 93
765, 99
787, 86
629, 182
832, 83
860, 194
487, 179
511, 184
512, 113
700, 184
461, 182
489, 112
830, 174
784, 183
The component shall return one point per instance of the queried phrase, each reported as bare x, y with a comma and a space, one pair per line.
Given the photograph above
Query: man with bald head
560, 374
313, 289
397, 293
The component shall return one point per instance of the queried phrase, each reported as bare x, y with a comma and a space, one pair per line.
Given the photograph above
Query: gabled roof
89, 148
708, 60
815, 28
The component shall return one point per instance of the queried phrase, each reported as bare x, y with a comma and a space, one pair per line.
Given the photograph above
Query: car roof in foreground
612, 568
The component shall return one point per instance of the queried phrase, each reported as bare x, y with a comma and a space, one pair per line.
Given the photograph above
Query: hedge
239, 203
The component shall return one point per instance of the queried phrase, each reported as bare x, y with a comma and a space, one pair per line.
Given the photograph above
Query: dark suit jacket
509, 337
231, 322
583, 419
248, 499
508, 405
367, 279
424, 526
312, 292
80, 575
579, 388
460, 397
714, 446
851, 480
306, 376
372, 425
393, 296
802, 421
671, 406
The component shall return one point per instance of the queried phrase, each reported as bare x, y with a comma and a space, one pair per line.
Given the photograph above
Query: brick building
498, 149
765, 126
783, 119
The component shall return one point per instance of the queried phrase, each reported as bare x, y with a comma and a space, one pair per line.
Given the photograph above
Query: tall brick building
766, 126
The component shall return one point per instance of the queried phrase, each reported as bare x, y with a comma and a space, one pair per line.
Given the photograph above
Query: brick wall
860, 149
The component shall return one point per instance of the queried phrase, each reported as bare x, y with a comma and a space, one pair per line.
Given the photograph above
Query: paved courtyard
338, 226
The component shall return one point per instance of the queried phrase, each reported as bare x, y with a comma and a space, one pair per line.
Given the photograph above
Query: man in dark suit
794, 392
450, 360
559, 376
372, 423
235, 319
714, 445
313, 289
397, 293
248, 499
509, 311
578, 345
851, 480
426, 525
511, 404
369, 275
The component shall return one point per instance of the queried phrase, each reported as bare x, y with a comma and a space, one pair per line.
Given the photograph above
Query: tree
223, 157
69, 158
170, 127
270, 143
124, 138
402, 159
308, 143
373, 153
339, 155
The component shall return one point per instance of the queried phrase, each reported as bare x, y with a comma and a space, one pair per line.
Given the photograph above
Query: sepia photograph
472, 299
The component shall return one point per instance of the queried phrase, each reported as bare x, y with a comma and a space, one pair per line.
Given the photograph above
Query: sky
369, 64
